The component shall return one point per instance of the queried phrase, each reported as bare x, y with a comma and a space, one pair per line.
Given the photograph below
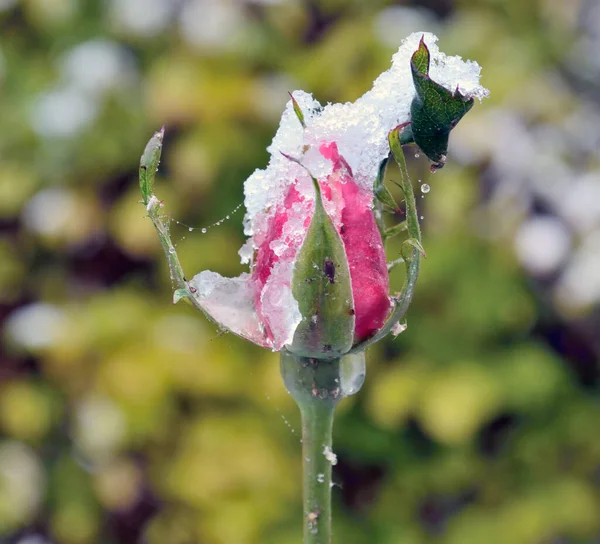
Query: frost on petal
230, 303
273, 270
279, 308
265, 189
364, 249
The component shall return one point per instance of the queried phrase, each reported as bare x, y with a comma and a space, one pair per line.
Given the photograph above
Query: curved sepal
227, 302
435, 110
412, 259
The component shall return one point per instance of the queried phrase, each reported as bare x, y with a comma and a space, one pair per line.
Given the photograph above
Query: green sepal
413, 261
382, 193
321, 284
149, 164
435, 110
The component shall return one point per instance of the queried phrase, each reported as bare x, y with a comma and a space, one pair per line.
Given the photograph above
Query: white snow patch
329, 455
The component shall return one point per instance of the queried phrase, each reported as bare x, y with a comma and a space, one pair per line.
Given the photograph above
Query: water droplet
422, 217
203, 231
226, 217
190, 229
171, 250
425, 188
417, 155
320, 478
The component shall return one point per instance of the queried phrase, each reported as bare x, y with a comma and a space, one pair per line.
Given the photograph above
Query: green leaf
149, 164
321, 285
435, 110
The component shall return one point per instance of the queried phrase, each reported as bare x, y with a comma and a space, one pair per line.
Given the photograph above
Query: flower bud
435, 110
339, 279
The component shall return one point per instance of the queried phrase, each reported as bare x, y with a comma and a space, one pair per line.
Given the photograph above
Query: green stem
317, 386
317, 426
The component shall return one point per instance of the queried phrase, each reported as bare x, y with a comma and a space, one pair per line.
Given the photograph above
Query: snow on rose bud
340, 276
318, 282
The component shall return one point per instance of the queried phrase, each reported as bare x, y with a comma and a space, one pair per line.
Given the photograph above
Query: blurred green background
124, 419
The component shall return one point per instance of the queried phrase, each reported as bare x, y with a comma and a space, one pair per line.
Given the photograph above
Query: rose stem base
317, 386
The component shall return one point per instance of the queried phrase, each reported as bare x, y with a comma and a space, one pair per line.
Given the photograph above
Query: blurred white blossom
63, 112
141, 17
96, 66
212, 24
35, 326
542, 244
